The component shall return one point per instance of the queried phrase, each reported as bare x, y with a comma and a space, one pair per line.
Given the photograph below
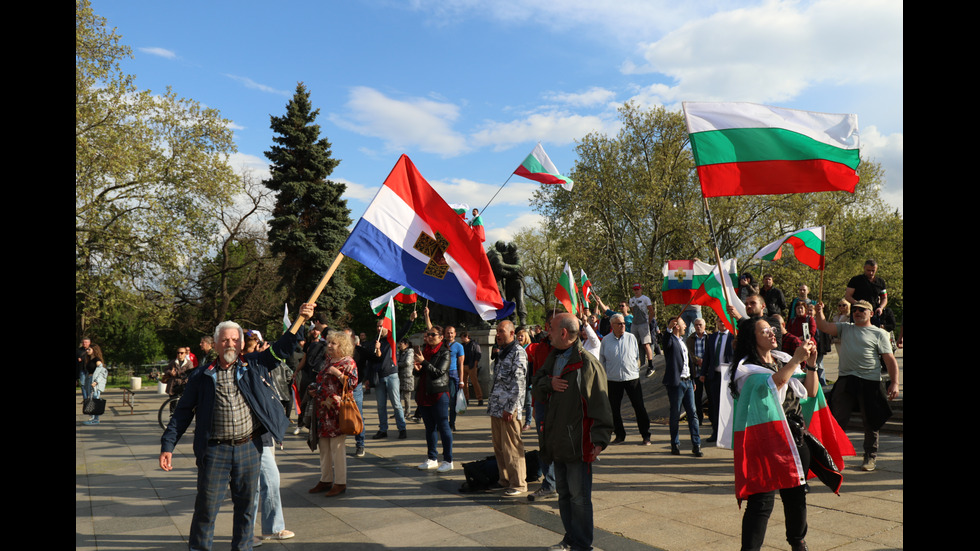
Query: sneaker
296, 430
869, 464
445, 467
541, 494
646, 442
280, 535
429, 465
402, 434
359, 451
513, 492
380, 434
650, 372
256, 542
560, 546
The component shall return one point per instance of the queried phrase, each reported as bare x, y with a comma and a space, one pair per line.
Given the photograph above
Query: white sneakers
439, 467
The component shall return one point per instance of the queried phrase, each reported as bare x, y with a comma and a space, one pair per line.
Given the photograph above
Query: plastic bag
461, 401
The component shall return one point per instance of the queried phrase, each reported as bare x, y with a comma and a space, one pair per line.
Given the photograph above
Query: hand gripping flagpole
300, 320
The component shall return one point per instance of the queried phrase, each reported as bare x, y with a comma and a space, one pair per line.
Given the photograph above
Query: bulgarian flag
538, 167
566, 292
682, 278
461, 209
752, 149
401, 294
389, 323
765, 455
586, 289
712, 294
808, 247
285, 318
477, 225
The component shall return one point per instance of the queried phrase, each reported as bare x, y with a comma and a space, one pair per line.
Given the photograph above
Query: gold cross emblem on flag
434, 249
679, 274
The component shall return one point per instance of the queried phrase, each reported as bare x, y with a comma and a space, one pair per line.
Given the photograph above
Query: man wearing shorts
644, 322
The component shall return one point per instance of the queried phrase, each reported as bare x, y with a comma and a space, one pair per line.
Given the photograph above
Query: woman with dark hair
765, 374
432, 395
94, 366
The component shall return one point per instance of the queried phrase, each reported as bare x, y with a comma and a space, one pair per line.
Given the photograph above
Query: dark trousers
852, 393
759, 508
635, 393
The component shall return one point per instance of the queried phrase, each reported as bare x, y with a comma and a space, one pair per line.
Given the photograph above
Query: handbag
93, 406
348, 416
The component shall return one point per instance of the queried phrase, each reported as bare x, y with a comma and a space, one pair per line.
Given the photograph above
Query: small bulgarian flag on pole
586, 289
389, 323
286, 324
400, 294
566, 291
538, 167
808, 247
751, 149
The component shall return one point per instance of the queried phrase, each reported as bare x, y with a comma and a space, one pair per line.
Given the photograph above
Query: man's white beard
230, 355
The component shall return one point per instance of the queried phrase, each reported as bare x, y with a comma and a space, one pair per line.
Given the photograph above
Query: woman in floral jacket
327, 393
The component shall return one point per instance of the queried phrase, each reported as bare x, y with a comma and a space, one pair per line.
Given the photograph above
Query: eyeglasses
859, 309
432, 334
769, 331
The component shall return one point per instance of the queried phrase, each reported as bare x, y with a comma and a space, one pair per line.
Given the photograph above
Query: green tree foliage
637, 203
310, 218
149, 170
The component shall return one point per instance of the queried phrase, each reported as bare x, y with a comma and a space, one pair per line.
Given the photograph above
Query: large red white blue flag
409, 235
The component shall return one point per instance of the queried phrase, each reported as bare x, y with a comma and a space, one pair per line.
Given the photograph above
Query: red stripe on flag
805, 254
775, 178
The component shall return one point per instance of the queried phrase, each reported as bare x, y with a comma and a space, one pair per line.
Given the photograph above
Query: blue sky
466, 88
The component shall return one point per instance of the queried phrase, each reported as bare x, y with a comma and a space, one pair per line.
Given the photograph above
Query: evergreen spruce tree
310, 218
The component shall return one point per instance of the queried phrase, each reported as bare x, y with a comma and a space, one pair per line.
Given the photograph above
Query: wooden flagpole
300, 320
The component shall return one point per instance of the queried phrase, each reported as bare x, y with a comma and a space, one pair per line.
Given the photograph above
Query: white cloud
591, 97
774, 51
159, 52
556, 127
495, 232
252, 85
890, 152
410, 123
258, 166
462, 190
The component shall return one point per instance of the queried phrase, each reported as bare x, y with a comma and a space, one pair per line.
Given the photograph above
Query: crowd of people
566, 380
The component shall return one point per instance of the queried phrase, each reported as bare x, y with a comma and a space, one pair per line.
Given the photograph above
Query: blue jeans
436, 419
682, 395
574, 485
359, 398
267, 493
545, 470
453, 391
223, 463
389, 390
85, 379
95, 394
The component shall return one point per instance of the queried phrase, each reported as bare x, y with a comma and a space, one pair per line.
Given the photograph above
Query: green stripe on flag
740, 145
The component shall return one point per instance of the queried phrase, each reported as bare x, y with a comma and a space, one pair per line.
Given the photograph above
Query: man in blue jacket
235, 404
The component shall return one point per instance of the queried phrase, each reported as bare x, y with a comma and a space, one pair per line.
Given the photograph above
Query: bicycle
167, 410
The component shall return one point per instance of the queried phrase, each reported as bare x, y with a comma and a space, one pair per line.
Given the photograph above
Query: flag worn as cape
712, 295
389, 323
765, 455
409, 235
401, 294
477, 225
586, 289
566, 291
752, 149
808, 247
538, 167
682, 279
